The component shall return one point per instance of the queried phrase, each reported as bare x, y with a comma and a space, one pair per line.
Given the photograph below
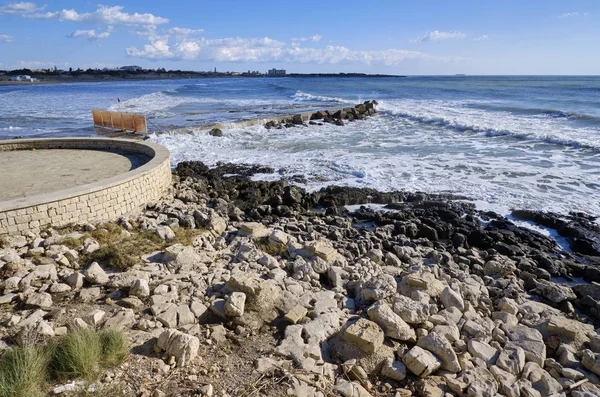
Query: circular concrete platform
26, 173
70, 180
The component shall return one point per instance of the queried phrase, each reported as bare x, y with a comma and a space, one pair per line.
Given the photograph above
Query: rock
411, 311
40, 301
122, 320
216, 132
185, 316
559, 325
442, 348
451, 298
254, 230
391, 323
541, 380
421, 362
554, 292
165, 233
512, 360
95, 274
321, 249
168, 317
8, 298
182, 346
394, 369
483, 351
530, 340
495, 268
184, 259
94, 317
75, 280
367, 335
351, 389
234, 306
378, 288
296, 314
198, 308
140, 288
295, 347
591, 361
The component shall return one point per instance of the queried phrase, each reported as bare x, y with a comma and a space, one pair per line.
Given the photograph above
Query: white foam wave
387, 153
459, 116
303, 96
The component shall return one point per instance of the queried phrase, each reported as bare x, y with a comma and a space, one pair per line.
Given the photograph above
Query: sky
434, 37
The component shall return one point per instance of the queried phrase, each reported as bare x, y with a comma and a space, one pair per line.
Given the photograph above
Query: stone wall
98, 201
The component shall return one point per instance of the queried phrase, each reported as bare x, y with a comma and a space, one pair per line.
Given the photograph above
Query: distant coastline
93, 77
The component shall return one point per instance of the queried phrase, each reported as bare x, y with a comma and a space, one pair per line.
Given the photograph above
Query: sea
518, 142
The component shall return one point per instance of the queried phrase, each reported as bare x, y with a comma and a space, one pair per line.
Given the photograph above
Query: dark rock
216, 132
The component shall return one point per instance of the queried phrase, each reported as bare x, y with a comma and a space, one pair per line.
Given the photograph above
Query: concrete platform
26, 173
60, 181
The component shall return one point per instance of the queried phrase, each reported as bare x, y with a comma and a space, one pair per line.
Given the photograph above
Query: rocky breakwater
239, 288
337, 116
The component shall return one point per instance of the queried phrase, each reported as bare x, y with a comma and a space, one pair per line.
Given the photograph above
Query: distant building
276, 72
132, 68
24, 78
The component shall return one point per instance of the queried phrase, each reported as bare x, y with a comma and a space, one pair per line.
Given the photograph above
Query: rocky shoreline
232, 287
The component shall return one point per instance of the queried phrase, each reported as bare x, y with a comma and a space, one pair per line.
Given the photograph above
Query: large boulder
182, 346
421, 362
442, 348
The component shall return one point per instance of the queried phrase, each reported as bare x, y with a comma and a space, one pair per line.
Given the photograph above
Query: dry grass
121, 253
72, 243
264, 245
23, 371
3, 242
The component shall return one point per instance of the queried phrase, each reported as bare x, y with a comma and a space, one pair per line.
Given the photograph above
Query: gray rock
392, 324
512, 360
378, 288
140, 288
393, 369
442, 348
182, 346
75, 280
41, 301
234, 306
122, 320
530, 340
95, 274
451, 298
165, 233
421, 362
554, 292
411, 311
483, 351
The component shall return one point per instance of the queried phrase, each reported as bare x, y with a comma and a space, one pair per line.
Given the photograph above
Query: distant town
134, 72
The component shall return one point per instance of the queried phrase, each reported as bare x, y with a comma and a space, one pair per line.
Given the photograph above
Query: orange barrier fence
120, 121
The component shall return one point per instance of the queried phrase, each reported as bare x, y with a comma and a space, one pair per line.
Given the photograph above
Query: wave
553, 113
303, 96
466, 116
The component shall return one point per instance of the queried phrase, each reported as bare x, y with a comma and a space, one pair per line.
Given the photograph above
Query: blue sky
380, 36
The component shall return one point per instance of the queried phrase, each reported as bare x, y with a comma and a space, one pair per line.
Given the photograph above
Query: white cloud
20, 8
573, 14
103, 15
482, 37
316, 38
183, 31
4, 38
91, 34
266, 50
436, 35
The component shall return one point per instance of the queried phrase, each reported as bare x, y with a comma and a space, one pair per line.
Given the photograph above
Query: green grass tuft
23, 371
77, 355
114, 348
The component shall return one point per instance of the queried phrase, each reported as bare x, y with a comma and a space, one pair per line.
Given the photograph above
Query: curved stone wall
103, 200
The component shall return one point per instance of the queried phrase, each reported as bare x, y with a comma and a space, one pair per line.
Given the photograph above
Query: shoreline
252, 286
